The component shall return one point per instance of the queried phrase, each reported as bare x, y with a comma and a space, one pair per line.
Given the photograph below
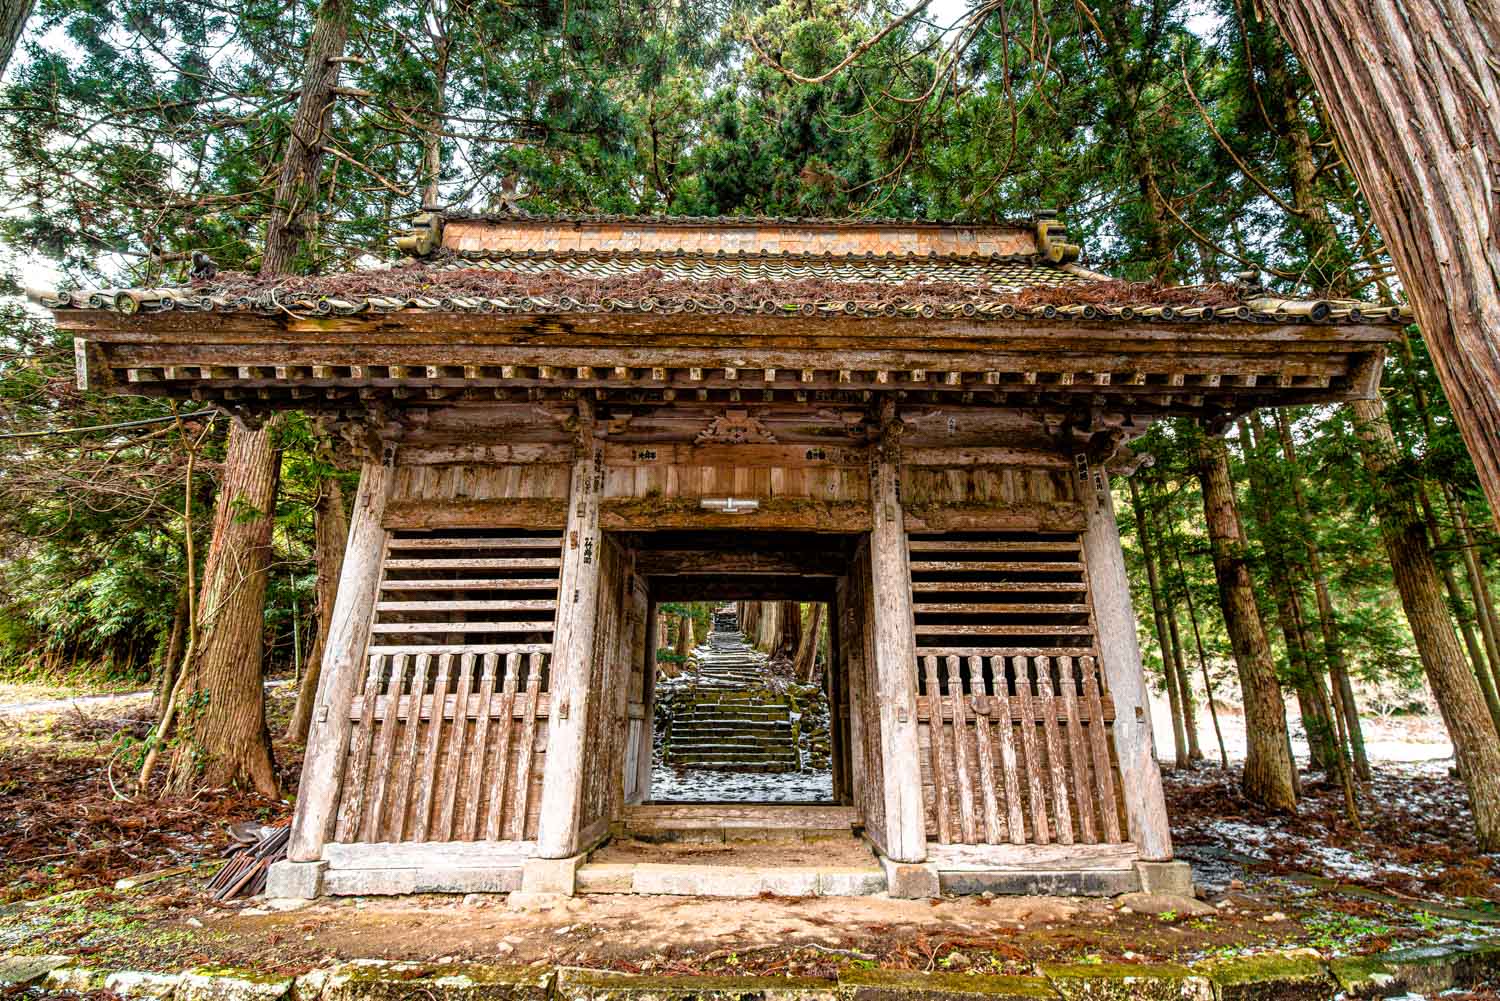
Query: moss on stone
1270, 977
600, 985
1128, 982
900, 985
383, 981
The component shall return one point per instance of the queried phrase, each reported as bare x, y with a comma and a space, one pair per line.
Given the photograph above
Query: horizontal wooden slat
989, 629
472, 584
1058, 706
994, 607
472, 710
477, 605
1008, 651
545, 542
989, 546
439, 648
943, 566
529, 626
997, 585
477, 563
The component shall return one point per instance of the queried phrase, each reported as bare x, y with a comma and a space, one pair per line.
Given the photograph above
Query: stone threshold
1275, 976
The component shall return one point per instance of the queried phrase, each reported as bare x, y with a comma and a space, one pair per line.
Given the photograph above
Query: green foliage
1181, 140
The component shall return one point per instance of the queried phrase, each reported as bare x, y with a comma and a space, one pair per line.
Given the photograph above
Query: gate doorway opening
745, 701
741, 711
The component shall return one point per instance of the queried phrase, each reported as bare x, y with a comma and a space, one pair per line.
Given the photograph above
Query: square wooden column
895, 656
343, 655
573, 649
1120, 655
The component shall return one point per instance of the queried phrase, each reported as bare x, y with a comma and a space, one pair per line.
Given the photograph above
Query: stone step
728, 745
769, 732
735, 766
719, 752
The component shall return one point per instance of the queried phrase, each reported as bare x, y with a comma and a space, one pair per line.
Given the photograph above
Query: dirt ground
1411, 873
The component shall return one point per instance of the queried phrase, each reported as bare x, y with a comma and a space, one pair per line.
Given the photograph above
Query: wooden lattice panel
1014, 718
453, 706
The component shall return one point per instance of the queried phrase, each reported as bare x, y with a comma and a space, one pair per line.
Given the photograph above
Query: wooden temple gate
543, 463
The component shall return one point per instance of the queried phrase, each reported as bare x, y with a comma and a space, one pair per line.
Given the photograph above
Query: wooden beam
895, 656
343, 656
1120, 655
661, 562
573, 649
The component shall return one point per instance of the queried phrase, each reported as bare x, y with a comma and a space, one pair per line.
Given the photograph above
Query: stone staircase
729, 720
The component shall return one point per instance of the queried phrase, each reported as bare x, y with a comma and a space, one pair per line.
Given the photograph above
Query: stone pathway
727, 718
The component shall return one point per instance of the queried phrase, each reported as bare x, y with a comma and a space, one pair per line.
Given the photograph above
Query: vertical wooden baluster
1049, 705
427, 779
1035, 794
528, 746
1104, 773
941, 775
474, 789
1016, 821
495, 809
350, 810
985, 751
967, 822
385, 750
1077, 749
453, 769
407, 765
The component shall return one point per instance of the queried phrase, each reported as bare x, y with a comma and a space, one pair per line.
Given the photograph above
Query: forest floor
1411, 874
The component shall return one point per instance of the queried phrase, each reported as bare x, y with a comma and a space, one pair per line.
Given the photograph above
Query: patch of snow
702, 785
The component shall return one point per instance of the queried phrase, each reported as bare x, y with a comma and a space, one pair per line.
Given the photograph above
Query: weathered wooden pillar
895, 654
573, 648
1120, 654
343, 656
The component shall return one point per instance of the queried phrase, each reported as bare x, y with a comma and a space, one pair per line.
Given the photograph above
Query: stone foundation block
77, 979
598, 985
1288, 976
850, 882
911, 880
1175, 878
300, 880
130, 984
377, 980
28, 969
1420, 970
605, 878
1127, 982
723, 881
210, 983
903, 985
551, 875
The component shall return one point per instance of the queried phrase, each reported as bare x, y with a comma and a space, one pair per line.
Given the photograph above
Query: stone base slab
1279, 976
299, 880
911, 880
1173, 878
552, 875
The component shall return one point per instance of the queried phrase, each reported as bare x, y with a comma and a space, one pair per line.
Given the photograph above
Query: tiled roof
984, 273
520, 265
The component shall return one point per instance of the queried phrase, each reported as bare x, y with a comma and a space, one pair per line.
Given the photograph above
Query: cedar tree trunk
790, 633
1412, 88
330, 538
1475, 742
13, 17
294, 215
1268, 778
806, 661
1159, 614
221, 734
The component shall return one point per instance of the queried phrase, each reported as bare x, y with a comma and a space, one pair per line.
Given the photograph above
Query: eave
252, 360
